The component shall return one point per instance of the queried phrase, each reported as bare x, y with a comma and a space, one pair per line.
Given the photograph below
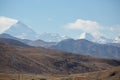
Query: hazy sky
66, 17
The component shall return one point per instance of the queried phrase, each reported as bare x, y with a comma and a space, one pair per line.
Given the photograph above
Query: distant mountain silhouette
83, 46
13, 42
35, 43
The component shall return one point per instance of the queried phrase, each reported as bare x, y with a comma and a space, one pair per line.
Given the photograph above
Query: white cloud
5, 23
86, 26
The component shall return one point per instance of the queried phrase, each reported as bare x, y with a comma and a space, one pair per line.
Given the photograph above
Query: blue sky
66, 17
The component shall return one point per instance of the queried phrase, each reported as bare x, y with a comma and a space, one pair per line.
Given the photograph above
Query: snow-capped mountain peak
52, 37
86, 36
6, 23
20, 30
117, 39
102, 40
98, 39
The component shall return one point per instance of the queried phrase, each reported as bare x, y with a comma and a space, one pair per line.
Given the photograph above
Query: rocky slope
47, 61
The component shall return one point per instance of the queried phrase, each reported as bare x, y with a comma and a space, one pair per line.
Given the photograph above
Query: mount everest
20, 30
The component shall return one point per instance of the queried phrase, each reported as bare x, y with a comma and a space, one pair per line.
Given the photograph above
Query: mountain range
20, 30
81, 46
19, 34
89, 48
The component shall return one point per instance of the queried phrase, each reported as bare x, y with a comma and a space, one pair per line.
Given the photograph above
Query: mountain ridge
89, 48
47, 61
76, 46
35, 43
